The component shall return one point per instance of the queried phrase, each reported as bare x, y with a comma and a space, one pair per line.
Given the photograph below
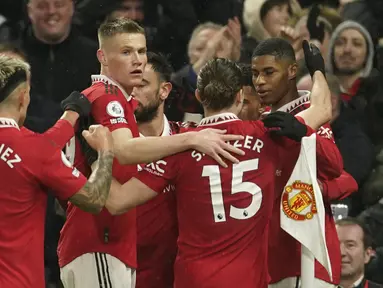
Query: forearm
149, 149
92, 197
320, 109
63, 130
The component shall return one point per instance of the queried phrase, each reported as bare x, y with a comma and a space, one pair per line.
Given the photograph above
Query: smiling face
354, 254
350, 52
51, 19
270, 78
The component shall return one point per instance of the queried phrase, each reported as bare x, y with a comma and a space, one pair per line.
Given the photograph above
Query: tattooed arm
92, 197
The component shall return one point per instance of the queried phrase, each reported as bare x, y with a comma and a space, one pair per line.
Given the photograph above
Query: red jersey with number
157, 233
28, 162
284, 250
223, 213
84, 232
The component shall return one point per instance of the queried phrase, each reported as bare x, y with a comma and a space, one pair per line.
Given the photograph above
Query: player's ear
197, 95
165, 90
292, 71
101, 57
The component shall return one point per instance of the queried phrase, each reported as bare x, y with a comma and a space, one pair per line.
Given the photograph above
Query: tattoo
92, 197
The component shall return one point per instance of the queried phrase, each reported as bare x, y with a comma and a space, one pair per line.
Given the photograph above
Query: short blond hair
112, 27
9, 66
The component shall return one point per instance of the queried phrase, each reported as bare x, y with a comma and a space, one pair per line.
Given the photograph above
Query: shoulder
100, 89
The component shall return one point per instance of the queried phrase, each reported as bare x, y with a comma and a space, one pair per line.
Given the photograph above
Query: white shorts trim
97, 270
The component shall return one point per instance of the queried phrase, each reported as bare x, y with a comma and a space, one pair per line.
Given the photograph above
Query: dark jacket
57, 70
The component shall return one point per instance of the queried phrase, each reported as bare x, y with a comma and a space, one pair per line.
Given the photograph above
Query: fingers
85, 134
219, 160
306, 47
217, 131
231, 137
232, 149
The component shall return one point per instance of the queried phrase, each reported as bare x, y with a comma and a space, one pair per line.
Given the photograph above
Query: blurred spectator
356, 247
61, 60
208, 40
326, 15
350, 58
264, 19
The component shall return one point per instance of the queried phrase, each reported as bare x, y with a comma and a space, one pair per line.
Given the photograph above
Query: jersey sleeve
57, 173
60, 133
339, 188
108, 111
157, 175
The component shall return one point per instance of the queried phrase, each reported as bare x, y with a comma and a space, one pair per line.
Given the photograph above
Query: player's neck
349, 282
154, 127
291, 95
6, 112
209, 113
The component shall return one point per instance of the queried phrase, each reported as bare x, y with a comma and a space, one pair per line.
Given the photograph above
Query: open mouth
136, 72
262, 93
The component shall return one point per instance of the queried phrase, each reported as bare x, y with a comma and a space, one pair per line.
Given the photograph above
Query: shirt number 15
237, 186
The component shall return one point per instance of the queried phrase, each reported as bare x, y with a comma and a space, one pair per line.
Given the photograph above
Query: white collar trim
357, 282
167, 131
218, 119
8, 123
107, 80
304, 97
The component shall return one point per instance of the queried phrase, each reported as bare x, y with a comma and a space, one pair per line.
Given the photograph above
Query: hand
78, 103
295, 39
313, 58
99, 138
285, 124
316, 31
234, 31
213, 143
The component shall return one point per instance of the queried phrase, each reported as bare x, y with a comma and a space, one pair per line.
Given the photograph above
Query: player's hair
160, 65
247, 75
218, 82
277, 47
367, 238
11, 48
112, 27
13, 72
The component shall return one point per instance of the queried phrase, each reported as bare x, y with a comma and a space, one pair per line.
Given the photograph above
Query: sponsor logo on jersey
298, 201
114, 109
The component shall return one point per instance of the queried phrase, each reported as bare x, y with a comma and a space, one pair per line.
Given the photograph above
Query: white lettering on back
8, 156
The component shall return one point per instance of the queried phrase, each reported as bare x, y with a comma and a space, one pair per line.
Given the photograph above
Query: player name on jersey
249, 142
8, 156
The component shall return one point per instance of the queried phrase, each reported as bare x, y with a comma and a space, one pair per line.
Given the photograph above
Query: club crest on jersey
298, 201
115, 109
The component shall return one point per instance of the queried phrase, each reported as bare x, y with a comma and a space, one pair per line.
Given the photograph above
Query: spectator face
199, 44
124, 56
150, 94
275, 18
354, 255
132, 9
270, 78
350, 52
51, 19
251, 109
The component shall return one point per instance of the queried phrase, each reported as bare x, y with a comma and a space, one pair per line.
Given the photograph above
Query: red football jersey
28, 162
223, 214
157, 231
84, 232
284, 250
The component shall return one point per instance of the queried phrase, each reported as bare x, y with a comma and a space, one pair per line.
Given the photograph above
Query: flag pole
307, 268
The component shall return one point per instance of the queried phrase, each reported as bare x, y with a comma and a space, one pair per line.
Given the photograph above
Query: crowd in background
59, 40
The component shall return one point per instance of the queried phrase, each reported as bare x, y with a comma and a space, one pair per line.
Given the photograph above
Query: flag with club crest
303, 214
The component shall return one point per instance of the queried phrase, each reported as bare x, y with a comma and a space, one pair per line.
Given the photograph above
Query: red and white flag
303, 214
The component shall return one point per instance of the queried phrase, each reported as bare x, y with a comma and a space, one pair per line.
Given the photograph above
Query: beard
147, 113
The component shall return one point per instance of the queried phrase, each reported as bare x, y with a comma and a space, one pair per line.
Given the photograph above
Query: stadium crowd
148, 143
